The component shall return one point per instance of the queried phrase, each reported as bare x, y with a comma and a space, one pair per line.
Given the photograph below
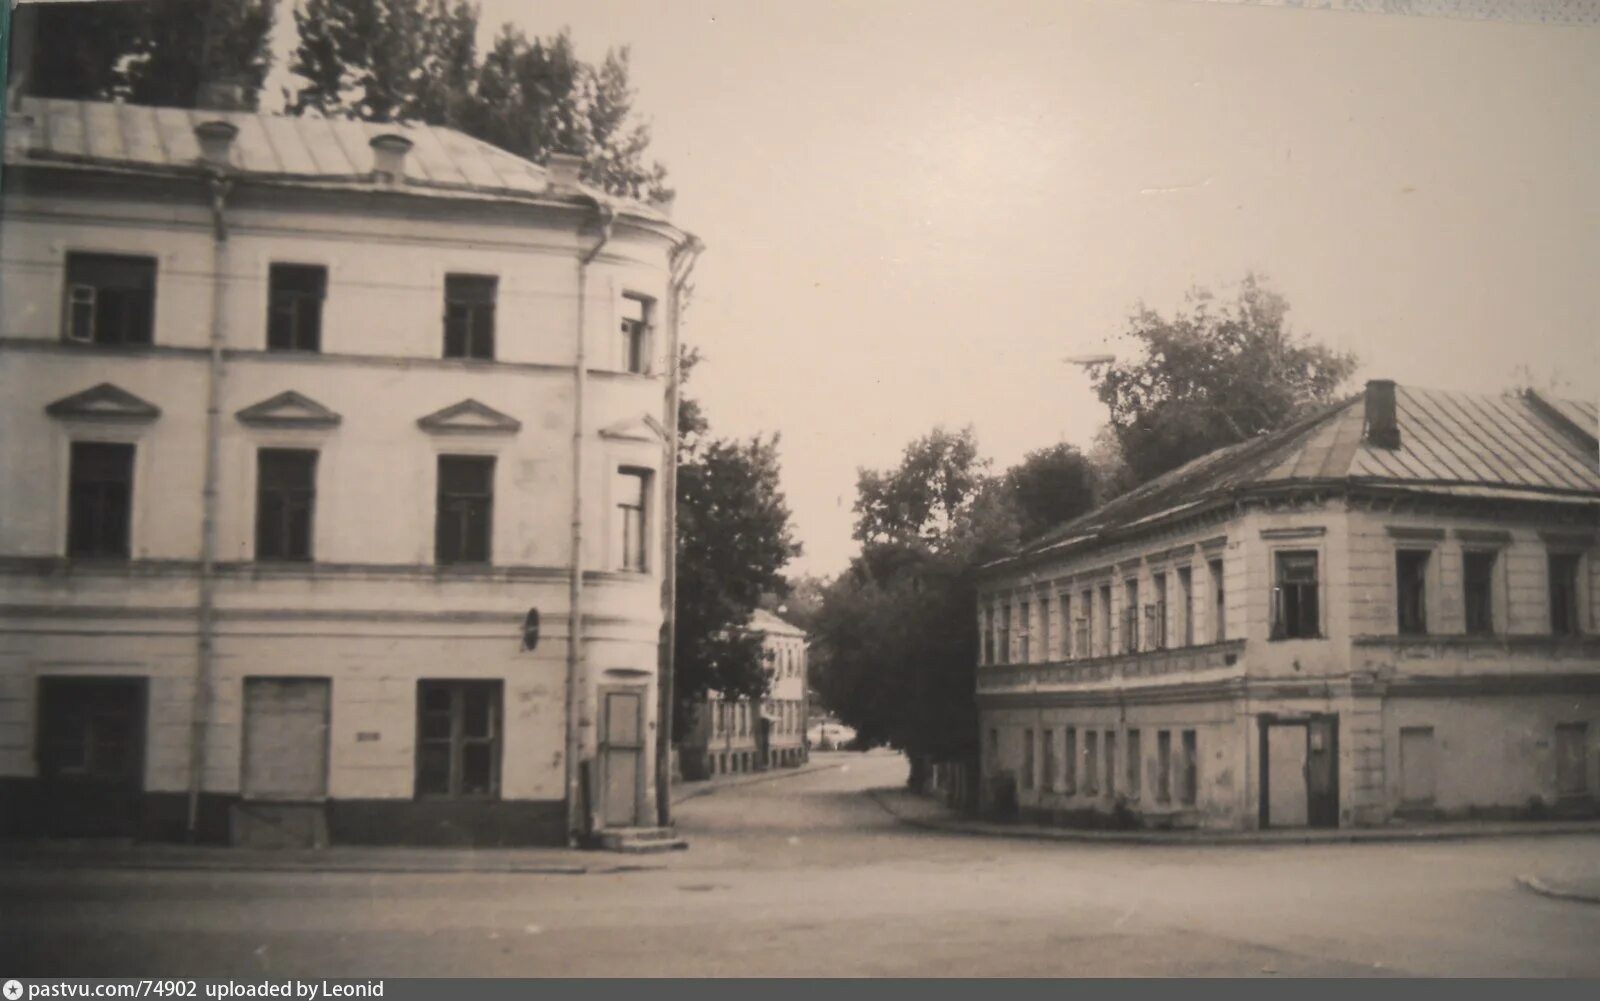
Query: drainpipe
683, 262
607, 216
216, 139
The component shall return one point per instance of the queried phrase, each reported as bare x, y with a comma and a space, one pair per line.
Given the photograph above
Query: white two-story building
334, 482
1387, 611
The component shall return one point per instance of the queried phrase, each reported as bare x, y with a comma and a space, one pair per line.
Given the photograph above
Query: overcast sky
915, 209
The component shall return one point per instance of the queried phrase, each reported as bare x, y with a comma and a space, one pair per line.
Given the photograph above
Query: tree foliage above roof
1218, 373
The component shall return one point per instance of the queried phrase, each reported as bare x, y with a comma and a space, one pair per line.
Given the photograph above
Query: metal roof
1524, 446
277, 148
764, 621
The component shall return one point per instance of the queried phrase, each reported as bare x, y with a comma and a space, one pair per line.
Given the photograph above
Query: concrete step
639, 840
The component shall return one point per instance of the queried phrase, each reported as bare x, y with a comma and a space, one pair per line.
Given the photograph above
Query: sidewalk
821, 761
929, 813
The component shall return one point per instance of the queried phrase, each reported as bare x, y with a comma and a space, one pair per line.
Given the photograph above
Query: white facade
373, 607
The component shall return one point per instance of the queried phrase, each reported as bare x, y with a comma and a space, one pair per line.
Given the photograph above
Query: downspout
689, 252
607, 216
216, 139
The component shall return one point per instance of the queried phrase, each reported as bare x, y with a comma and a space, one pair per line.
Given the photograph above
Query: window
294, 306
1027, 759
1564, 594
1164, 766
1189, 786
994, 747
1219, 607
631, 488
986, 630
1294, 597
1135, 764
469, 316
458, 738
1186, 603
1067, 649
1158, 618
637, 313
100, 499
1086, 624
1130, 616
1003, 641
1045, 653
1024, 624
466, 509
1477, 571
1091, 763
1069, 776
286, 493
1572, 760
111, 299
1048, 782
1411, 590
1105, 619
1111, 764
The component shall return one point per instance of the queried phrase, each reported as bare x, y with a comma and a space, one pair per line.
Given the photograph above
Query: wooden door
1322, 771
1285, 765
622, 757
91, 740
286, 739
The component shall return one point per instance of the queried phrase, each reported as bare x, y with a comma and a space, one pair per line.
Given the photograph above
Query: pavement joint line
1536, 885
1224, 839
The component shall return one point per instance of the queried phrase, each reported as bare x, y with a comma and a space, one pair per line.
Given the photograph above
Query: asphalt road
807, 876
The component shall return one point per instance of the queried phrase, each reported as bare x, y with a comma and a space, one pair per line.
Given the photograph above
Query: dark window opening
1111, 764
1130, 616
1025, 621
100, 505
465, 510
1135, 755
1164, 766
1186, 599
294, 306
286, 493
1478, 586
458, 739
1027, 759
1411, 590
1295, 613
1564, 594
632, 492
110, 299
1189, 787
1069, 777
1219, 610
637, 314
1157, 613
469, 304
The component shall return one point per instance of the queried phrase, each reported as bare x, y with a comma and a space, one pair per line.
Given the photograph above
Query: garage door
286, 738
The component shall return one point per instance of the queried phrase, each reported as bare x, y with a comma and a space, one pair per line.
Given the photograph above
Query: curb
1536, 885
774, 776
419, 867
1331, 836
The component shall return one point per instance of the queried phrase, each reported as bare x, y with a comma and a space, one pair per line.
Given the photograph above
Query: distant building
1386, 611
746, 735
315, 436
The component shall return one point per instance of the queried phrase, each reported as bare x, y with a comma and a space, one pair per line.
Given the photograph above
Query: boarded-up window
1572, 759
1418, 765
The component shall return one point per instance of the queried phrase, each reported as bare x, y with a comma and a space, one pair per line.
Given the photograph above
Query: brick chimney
1383, 426
389, 157
216, 142
564, 169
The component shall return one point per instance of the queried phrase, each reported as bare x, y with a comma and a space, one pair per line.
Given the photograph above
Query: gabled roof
285, 149
1523, 446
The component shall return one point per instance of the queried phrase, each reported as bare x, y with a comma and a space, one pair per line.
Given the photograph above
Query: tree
416, 60
733, 541
1212, 376
159, 52
919, 504
1051, 486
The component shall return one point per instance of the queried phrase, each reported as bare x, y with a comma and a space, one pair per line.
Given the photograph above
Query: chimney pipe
221, 94
1383, 426
564, 169
389, 157
216, 143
